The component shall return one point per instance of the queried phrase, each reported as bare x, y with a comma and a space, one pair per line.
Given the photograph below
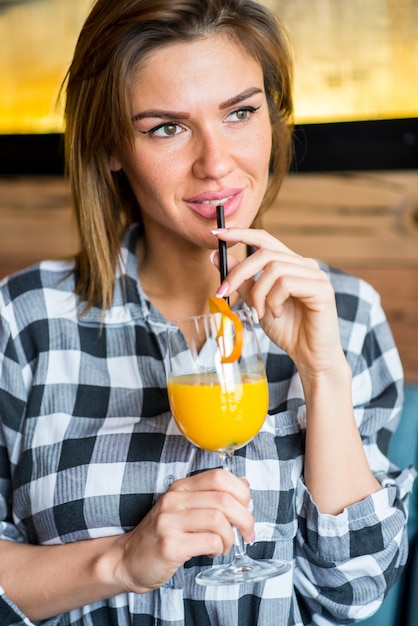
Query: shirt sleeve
345, 564
12, 616
12, 406
12, 410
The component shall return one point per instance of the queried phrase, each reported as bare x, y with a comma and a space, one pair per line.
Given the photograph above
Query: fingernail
254, 315
252, 542
212, 256
216, 231
223, 289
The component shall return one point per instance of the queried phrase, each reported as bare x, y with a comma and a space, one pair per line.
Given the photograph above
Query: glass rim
249, 313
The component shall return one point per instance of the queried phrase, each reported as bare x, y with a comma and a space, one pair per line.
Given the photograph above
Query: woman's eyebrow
180, 115
165, 115
240, 97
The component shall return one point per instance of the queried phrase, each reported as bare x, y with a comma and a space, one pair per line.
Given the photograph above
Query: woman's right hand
193, 518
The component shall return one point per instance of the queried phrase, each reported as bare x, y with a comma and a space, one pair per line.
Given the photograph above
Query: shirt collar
129, 301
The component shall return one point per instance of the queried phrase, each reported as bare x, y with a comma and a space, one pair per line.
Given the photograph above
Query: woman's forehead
213, 63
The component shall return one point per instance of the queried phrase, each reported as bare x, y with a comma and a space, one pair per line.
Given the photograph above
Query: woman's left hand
293, 297
296, 305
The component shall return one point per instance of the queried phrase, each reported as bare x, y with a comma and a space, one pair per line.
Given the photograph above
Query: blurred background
355, 60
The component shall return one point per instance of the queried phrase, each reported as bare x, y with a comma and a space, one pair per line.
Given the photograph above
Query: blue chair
400, 607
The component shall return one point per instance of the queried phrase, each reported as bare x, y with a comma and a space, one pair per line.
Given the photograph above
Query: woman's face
202, 137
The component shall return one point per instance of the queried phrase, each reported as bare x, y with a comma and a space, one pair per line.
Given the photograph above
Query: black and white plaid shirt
87, 445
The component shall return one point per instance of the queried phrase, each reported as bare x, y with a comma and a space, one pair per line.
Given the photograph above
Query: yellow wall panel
355, 59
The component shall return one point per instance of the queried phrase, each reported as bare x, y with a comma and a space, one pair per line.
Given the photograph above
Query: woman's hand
296, 305
192, 518
293, 297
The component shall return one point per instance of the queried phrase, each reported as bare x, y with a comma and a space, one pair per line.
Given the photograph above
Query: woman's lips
205, 203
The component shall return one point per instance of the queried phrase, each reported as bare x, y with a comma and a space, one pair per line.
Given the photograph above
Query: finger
251, 237
279, 282
236, 513
217, 480
191, 507
170, 525
227, 494
212, 531
259, 239
208, 544
276, 263
269, 267
225, 289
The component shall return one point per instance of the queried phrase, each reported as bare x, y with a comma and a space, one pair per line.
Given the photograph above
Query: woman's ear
114, 164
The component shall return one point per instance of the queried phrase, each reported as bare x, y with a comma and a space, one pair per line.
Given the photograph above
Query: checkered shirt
87, 445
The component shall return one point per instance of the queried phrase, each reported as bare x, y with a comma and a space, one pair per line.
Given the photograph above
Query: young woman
107, 511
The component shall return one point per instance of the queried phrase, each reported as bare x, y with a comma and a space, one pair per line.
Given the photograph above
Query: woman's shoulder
36, 288
350, 286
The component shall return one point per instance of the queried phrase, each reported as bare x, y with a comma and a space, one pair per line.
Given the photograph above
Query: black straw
223, 265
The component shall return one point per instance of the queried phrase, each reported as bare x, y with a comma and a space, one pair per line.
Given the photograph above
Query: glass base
241, 570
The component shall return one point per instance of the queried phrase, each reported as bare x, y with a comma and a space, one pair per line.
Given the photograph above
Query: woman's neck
178, 280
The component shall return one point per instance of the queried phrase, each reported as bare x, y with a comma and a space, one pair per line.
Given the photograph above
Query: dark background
367, 145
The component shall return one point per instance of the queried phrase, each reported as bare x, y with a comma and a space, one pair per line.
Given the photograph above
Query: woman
174, 107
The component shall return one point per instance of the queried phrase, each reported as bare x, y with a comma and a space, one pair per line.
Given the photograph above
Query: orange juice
214, 418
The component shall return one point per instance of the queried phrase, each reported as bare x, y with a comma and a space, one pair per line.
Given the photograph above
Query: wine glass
218, 395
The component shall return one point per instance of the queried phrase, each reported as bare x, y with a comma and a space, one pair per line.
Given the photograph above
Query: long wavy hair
113, 41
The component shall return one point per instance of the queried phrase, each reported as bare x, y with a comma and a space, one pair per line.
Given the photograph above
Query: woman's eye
168, 129
244, 114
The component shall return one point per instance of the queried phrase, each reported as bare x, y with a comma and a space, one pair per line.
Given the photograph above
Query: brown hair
111, 45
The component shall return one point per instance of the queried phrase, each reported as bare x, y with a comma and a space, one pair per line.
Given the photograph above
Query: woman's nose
213, 157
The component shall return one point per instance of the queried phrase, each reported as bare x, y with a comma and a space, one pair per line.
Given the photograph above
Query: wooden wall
366, 223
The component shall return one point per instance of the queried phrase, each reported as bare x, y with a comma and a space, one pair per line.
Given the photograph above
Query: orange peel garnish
220, 305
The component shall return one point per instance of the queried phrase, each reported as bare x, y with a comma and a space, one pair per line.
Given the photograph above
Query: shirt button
168, 480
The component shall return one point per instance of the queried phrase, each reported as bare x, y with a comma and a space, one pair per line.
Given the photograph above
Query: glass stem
239, 544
